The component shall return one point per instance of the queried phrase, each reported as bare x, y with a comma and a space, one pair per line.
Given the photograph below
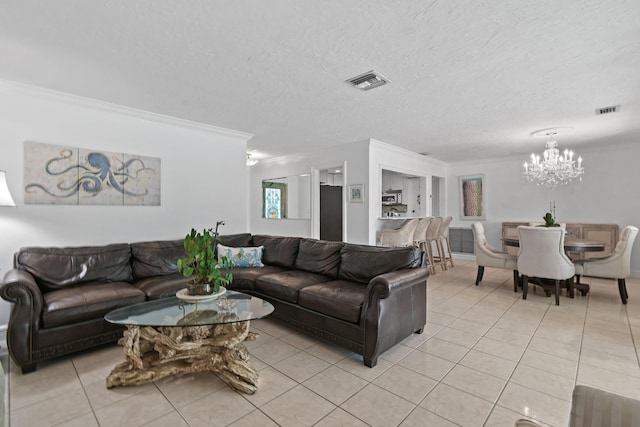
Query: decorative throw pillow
242, 257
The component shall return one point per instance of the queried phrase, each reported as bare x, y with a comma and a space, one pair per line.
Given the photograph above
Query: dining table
570, 245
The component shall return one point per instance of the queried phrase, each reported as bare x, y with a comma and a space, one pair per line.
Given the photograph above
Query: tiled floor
486, 358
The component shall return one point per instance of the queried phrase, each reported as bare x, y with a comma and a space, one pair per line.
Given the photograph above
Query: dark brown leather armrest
20, 288
383, 285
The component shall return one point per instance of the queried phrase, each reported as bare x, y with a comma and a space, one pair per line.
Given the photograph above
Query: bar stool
444, 241
433, 237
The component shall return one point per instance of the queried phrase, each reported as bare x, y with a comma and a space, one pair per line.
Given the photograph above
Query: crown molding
109, 107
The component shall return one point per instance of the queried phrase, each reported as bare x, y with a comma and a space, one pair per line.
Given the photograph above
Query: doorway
331, 203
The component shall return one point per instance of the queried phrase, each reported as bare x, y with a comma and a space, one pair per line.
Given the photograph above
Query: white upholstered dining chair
542, 255
488, 256
615, 266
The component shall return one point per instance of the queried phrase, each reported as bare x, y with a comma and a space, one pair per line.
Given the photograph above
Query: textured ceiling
469, 79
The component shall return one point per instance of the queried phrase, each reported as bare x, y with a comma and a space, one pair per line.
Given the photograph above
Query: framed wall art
472, 197
356, 193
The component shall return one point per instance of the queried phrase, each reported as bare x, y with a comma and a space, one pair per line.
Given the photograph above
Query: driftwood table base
156, 352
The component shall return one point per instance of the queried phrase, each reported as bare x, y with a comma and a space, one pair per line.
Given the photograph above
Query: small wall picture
472, 197
356, 193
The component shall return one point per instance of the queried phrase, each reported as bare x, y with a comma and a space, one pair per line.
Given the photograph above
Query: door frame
315, 197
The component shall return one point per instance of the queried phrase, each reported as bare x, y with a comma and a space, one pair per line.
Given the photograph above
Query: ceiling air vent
368, 80
607, 110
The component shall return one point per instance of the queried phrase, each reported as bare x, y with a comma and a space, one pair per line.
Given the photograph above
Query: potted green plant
550, 221
207, 273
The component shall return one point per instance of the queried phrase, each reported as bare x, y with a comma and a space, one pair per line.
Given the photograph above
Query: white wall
203, 173
354, 155
608, 193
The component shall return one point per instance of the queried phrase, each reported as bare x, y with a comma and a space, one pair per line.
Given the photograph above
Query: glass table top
228, 308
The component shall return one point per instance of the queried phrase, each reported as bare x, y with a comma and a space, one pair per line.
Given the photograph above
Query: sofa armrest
380, 287
20, 288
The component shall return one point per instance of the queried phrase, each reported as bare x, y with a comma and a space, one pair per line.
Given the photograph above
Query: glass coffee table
170, 336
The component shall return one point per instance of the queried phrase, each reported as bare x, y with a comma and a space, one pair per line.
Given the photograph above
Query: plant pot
200, 289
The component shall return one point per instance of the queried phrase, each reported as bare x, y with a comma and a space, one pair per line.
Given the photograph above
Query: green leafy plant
550, 221
200, 262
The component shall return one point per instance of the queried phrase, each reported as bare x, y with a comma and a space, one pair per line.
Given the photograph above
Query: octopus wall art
55, 174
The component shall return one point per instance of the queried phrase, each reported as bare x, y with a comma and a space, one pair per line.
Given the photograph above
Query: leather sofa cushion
278, 251
339, 298
237, 240
287, 284
162, 286
244, 278
56, 268
361, 263
90, 301
157, 258
319, 256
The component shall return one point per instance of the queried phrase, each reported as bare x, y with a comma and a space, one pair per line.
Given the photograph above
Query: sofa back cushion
361, 263
57, 268
279, 251
319, 256
157, 258
237, 240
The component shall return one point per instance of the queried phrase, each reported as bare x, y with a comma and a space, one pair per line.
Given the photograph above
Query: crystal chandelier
553, 168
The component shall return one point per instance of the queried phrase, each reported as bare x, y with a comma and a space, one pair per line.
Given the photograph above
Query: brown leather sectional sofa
364, 298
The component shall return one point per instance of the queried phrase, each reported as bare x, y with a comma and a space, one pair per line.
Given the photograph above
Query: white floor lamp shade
5, 194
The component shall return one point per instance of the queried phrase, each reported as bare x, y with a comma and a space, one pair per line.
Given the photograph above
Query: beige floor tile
457, 406
340, 418
335, 384
458, 337
396, 353
301, 366
563, 350
298, 407
610, 362
503, 417
88, 420
272, 327
534, 404
134, 411
543, 381
550, 363
328, 352
181, 390
299, 340
471, 326
426, 364
100, 396
254, 419
217, 409
274, 351
625, 385
438, 318
508, 336
65, 407
172, 419
420, 417
405, 383
43, 384
354, 364
444, 349
416, 340
271, 384
378, 407
478, 383
500, 349
482, 316
489, 364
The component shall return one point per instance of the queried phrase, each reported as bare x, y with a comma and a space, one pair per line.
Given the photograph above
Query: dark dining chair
542, 255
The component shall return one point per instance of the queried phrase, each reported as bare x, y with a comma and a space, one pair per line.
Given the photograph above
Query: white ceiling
469, 79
